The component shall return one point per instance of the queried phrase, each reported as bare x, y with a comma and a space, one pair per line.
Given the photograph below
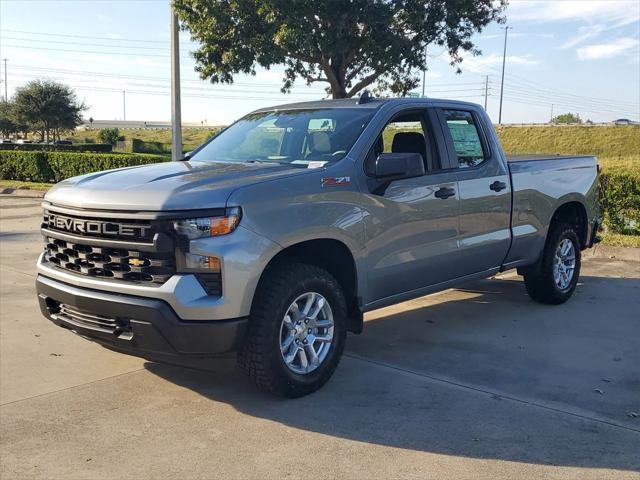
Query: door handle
497, 186
445, 192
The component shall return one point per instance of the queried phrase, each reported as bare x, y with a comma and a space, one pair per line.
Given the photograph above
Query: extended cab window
466, 138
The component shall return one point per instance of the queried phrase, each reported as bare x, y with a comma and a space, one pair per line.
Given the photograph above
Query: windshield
308, 138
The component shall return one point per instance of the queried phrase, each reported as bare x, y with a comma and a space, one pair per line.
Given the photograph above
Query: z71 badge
336, 181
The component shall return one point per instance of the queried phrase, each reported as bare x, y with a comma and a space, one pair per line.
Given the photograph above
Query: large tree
47, 107
348, 44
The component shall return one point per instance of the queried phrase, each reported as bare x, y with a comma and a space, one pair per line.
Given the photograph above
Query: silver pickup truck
274, 237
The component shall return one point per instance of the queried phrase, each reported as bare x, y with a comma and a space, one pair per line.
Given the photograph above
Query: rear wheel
296, 332
557, 278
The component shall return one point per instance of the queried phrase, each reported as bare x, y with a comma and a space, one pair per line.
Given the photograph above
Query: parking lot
477, 382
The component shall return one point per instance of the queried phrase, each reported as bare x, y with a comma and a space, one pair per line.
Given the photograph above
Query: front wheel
297, 330
557, 277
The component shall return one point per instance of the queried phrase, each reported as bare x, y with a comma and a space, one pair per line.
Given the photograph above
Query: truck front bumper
144, 327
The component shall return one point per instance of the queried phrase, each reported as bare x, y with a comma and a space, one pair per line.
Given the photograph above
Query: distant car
624, 121
6, 140
22, 140
62, 142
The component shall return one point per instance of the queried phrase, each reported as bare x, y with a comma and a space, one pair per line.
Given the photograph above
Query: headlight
193, 228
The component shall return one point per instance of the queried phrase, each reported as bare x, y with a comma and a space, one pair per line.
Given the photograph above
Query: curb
22, 192
618, 253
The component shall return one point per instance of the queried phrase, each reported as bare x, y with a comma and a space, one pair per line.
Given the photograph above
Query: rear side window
466, 138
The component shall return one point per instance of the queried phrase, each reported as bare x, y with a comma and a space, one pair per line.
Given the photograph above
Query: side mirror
399, 165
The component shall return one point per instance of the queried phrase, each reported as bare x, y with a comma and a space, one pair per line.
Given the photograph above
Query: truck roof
372, 103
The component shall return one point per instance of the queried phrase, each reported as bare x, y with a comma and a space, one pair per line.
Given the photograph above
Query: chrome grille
116, 263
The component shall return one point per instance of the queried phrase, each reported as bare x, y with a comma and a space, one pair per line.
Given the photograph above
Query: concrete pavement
477, 382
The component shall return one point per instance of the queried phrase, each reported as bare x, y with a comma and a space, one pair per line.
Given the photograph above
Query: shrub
108, 135
65, 165
620, 200
76, 147
56, 166
19, 165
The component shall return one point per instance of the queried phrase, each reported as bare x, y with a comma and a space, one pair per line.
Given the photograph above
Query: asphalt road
477, 382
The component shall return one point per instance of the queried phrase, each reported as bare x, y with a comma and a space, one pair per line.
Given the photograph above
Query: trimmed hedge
56, 166
620, 200
135, 145
76, 147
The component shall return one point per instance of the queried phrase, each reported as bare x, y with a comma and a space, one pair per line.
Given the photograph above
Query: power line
137, 47
164, 42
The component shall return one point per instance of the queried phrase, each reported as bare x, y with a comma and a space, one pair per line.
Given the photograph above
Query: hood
164, 186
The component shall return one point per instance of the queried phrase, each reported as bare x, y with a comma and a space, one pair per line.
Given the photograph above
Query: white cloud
487, 62
584, 33
519, 35
618, 47
612, 12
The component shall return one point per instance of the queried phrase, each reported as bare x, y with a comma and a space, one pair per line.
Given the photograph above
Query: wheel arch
333, 256
573, 212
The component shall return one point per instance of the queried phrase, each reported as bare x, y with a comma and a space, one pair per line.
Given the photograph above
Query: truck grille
139, 251
131, 265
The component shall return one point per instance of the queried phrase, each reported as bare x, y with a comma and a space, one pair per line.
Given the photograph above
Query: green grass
629, 163
191, 137
18, 185
618, 240
606, 141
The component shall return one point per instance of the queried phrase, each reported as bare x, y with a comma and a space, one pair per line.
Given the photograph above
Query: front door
412, 230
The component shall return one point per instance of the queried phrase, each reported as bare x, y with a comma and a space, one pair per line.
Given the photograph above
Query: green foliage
620, 200
78, 147
108, 135
135, 145
8, 124
347, 45
567, 118
47, 107
17, 165
55, 166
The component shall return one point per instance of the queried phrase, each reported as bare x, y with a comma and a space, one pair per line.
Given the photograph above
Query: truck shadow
480, 372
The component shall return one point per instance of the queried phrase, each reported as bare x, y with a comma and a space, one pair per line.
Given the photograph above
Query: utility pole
504, 58
551, 118
6, 95
424, 72
486, 91
124, 105
176, 120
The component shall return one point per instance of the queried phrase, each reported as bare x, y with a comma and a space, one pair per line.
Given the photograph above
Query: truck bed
539, 183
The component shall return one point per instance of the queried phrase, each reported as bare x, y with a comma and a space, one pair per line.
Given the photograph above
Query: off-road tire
260, 355
540, 284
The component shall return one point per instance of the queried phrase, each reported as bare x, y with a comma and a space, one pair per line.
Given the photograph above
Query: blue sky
579, 56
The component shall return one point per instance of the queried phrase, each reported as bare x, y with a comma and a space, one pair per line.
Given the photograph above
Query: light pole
486, 91
176, 120
504, 58
424, 72
6, 95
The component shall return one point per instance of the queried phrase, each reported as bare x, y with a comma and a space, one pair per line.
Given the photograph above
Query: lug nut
309, 331
304, 341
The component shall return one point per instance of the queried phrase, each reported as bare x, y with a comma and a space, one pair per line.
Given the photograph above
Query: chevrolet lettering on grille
78, 225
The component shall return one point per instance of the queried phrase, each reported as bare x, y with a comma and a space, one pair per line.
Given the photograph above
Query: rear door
484, 191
